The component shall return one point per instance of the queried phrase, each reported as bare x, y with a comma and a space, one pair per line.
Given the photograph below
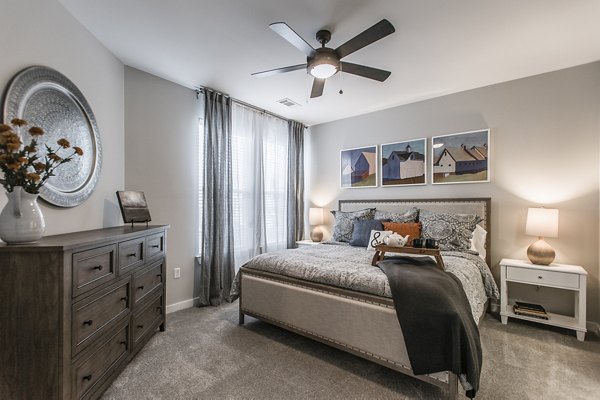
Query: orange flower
5, 128
32, 176
54, 156
39, 166
64, 143
35, 131
23, 160
78, 150
30, 149
14, 166
18, 122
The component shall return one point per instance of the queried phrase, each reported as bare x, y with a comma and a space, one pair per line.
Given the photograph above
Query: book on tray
530, 310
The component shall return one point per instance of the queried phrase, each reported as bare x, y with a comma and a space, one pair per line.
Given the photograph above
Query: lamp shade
542, 222
315, 216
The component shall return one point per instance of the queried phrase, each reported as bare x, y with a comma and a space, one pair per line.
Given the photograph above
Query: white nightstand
304, 243
561, 276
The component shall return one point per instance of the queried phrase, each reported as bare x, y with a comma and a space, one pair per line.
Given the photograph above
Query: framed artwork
134, 207
404, 163
358, 167
461, 157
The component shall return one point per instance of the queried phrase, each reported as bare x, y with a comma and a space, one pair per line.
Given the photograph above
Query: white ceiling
439, 46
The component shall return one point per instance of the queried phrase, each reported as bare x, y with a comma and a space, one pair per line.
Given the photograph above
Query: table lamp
541, 222
315, 218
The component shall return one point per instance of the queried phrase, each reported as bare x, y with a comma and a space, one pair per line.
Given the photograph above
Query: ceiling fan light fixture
323, 71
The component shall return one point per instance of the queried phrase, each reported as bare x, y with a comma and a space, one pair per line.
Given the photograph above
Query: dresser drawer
92, 268
148, 319
93, 369
146, 281
155, 245
93, 315
540, 277
131, 255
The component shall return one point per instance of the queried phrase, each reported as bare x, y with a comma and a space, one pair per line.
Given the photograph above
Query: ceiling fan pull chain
340, 74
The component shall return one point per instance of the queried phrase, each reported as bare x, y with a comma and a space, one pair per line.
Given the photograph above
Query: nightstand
304, 243
560, 276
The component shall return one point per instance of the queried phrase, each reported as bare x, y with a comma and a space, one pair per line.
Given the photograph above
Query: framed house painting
461, 157
358, 167
404, 163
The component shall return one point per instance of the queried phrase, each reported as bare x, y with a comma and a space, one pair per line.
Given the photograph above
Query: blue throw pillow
362, 230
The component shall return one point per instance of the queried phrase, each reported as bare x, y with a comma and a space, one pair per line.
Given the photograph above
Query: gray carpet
204, 354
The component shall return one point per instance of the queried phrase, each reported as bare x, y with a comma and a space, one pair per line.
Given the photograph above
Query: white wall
545, 150
42, 32
161, 159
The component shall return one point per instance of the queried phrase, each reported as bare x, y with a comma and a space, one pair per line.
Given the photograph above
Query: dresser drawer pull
140, 326
159, 275
88, 322
132, 255
158, 308
98, 267
540, 277
87, 377
155, 246
123, 343
124, 299
141, 287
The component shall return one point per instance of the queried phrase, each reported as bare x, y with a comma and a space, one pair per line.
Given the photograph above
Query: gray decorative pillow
343, 224
406, 216
452, 231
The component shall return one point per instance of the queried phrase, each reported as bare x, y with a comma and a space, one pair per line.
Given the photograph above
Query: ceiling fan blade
276, 71
283, 30
364, 71
317, 88
373, 34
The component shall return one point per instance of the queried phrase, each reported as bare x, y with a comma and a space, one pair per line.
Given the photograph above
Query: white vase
21, 220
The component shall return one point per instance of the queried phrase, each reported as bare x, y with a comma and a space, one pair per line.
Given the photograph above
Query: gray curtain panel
217, 265
295, 193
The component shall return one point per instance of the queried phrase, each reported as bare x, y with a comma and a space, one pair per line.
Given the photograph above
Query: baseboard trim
182, 305
593, 327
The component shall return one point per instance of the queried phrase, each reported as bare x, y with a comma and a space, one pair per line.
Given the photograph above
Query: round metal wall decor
46, 98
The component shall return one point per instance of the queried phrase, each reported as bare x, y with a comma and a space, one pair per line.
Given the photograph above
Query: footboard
361, 324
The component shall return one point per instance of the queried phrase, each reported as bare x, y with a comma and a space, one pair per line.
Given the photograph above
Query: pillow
478, 241
362, 230
452, 231
342, 226
413, 229
376, 238
406, 216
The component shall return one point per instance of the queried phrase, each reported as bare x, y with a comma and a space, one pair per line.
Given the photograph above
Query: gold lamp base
541, 253
316, 235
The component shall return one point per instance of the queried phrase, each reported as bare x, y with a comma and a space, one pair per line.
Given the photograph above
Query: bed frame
362, 324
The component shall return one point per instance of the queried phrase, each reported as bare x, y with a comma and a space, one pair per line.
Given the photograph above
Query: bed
351, 308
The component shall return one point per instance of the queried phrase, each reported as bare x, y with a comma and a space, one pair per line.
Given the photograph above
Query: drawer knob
124, 343
159, 308
141, 287
132, 255
88, 322
140, 326
123, 298
87, 377
540, 277
159, 275
155, 246
98, 267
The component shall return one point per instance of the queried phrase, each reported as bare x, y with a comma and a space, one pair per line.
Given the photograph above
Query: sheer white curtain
259, 174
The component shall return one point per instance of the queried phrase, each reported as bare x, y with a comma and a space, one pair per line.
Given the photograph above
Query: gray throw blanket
435, 317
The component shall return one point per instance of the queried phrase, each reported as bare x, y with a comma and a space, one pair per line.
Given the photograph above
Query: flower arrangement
21, 164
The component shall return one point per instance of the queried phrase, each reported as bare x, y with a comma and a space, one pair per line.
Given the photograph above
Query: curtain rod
201, 89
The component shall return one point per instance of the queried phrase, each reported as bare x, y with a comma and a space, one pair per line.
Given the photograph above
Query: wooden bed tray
320, 312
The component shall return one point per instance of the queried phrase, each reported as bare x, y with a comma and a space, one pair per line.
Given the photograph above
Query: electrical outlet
176, 273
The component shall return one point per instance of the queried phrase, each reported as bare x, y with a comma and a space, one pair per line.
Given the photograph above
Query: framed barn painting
358, 167
461, 157
404, 163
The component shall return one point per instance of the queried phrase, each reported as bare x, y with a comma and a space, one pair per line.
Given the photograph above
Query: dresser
75, 308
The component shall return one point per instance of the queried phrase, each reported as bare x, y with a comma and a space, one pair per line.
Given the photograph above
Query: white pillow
478, 241
376, 238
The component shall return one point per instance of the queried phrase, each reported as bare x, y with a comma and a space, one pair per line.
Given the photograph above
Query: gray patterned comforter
350, 267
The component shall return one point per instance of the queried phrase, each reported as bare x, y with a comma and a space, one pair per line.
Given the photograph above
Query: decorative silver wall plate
48, 99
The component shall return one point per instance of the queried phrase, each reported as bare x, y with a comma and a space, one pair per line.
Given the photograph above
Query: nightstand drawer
538, 277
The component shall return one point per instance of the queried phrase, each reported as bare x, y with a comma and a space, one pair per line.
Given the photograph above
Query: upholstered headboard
477, 206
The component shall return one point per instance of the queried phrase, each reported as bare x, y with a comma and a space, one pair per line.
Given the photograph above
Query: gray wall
161, 148
545, 150
41, 32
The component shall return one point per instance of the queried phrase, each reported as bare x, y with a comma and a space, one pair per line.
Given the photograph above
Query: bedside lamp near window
541, 222
315, 218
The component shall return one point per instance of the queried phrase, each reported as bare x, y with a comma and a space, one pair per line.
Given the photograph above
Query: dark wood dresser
75, 308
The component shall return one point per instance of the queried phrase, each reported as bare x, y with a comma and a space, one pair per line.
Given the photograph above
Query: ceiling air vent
287, 102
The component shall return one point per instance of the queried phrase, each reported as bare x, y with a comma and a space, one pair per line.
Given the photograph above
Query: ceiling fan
325, 62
